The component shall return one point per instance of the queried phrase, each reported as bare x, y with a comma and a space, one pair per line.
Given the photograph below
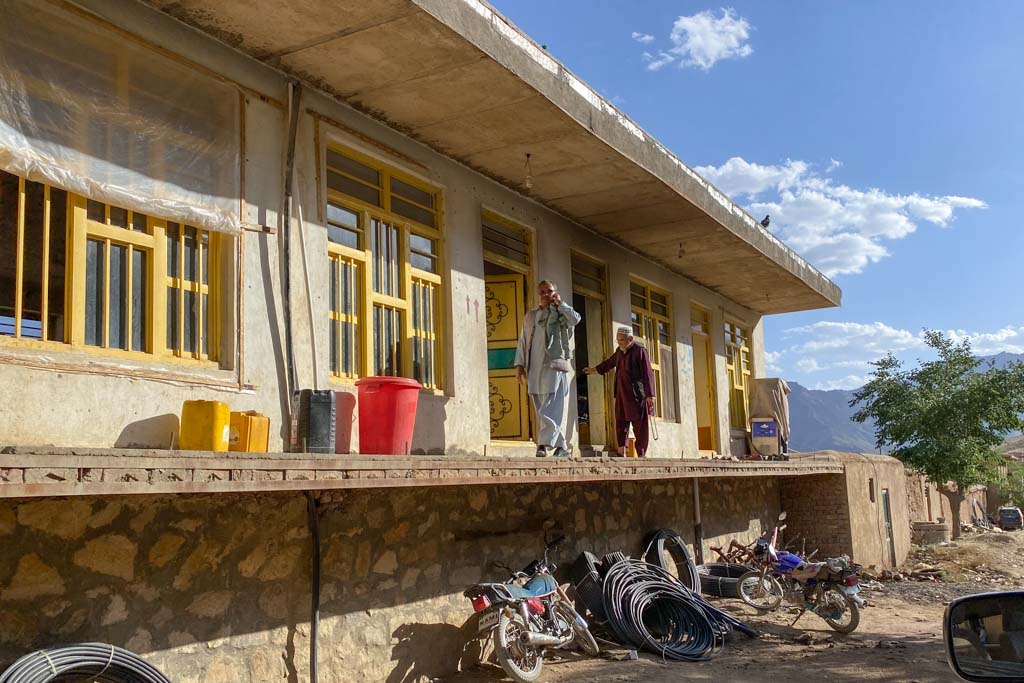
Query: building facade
230, 201
157, 282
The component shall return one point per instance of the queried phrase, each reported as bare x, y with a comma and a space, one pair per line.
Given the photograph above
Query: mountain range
821, 420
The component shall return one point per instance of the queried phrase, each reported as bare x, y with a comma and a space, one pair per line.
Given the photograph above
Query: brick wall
817, 510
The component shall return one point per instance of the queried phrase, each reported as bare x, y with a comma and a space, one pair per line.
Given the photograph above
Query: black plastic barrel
721, 579
313, 421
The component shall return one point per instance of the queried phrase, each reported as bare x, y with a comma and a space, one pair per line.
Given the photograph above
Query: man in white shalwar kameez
542, 360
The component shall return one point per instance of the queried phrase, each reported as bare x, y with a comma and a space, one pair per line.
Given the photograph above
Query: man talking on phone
543, 362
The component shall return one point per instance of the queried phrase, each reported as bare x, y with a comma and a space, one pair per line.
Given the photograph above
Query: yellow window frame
181, 285
81, 229
645, 328
737, 357
339, 257
405, 273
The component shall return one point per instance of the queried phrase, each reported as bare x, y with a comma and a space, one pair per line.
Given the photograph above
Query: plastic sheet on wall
94, 112
769, 398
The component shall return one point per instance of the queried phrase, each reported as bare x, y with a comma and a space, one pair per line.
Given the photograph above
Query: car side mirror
984, 637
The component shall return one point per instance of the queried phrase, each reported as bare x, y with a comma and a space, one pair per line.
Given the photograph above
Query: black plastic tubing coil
97, 662
666, 539
650, 609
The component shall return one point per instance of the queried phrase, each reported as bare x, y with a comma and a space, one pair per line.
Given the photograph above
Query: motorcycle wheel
762, 593
584, 639
522, 662
850, 614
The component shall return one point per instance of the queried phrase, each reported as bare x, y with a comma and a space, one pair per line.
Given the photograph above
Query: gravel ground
928, 593
897, 642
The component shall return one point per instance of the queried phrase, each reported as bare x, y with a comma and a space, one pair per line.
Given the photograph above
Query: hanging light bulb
528, 184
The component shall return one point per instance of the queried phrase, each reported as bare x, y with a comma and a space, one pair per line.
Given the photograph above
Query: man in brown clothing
634, 389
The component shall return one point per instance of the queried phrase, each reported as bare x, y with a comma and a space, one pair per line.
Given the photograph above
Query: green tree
945, 417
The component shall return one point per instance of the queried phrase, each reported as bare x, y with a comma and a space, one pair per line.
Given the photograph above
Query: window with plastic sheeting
96, 113
87, 274
33, 252
383, 233
190, 286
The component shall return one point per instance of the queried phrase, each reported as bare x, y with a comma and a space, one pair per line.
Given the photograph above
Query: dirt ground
899, 639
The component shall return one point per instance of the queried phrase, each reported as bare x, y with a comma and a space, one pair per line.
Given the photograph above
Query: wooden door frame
518, 281
530, 272
606, 324
887, 525
709, 360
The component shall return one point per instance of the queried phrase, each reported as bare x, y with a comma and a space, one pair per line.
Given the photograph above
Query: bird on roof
766, 220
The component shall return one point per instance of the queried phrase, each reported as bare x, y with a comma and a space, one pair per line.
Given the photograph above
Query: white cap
628, 331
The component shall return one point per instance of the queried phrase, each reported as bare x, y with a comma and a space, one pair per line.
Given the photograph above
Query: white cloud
838, 355
739, 177
871, 340
1009, 339
839, 229
656, 63
701, 40
773, 361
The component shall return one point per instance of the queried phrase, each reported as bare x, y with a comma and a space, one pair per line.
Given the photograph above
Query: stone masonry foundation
217, 587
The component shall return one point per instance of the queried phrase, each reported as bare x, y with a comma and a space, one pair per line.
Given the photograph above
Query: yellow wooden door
703, 384
506, 307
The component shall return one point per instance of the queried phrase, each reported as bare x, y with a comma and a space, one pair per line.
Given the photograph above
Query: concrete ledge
42, 472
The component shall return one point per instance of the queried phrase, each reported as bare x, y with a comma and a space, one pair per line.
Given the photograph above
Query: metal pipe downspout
698, 531
294, 98
313, 515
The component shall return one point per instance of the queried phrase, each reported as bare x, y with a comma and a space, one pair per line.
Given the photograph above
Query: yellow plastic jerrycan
250, 432
205, 426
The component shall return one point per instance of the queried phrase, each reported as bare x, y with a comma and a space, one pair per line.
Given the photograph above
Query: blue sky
885, 138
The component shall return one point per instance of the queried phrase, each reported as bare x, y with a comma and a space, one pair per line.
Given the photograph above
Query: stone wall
217, 587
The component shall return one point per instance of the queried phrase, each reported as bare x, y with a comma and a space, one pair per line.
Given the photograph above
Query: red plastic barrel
387, 414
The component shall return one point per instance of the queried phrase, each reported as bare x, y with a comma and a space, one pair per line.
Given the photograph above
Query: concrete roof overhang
459, 77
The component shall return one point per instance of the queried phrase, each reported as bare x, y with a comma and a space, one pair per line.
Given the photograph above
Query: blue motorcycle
529, 614
829, 589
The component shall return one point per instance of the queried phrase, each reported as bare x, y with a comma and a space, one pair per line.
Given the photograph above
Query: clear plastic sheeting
89, 110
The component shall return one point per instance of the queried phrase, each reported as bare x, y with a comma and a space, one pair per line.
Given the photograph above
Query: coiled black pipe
666, 539
648, 608
97, 662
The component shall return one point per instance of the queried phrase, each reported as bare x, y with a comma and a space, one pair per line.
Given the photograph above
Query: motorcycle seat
808, 570
536, 587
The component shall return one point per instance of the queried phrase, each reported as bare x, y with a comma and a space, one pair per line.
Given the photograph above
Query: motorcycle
829, 589
529, 614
